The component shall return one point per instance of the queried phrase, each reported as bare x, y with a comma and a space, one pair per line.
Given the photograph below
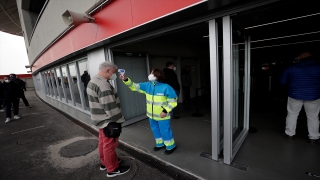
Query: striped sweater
104, 102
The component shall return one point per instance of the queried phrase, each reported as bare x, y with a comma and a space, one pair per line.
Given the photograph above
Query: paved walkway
31, 148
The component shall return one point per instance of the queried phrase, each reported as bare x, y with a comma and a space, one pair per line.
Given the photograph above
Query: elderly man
303, 81
105, 110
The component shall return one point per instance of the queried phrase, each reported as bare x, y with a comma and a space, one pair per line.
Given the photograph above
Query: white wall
50, 24
94, 59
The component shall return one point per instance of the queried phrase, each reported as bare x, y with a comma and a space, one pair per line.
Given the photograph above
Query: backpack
113, 130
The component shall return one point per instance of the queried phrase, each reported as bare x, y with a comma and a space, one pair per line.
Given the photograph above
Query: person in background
22, 87
59, 81
171, 78
10, 95
186, 83
85, 78
161, 99
66, 82
303, 82
105, 108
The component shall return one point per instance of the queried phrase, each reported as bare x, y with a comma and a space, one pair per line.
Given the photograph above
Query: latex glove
162, 114
123, 77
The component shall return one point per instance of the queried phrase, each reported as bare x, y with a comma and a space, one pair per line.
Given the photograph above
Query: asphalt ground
44, 144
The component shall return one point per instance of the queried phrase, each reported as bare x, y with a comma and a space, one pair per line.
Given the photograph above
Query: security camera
74, 18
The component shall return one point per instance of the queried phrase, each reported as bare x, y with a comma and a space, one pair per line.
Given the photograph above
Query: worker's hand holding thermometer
122, 74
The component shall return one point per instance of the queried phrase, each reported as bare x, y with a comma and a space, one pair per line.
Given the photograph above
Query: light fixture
73, 18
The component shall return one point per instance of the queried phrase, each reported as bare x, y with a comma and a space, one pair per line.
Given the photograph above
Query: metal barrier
197, 113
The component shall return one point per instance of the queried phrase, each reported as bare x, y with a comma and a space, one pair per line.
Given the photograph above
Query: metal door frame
214, 76
230, 147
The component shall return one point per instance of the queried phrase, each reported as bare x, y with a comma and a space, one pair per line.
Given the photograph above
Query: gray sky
13, 54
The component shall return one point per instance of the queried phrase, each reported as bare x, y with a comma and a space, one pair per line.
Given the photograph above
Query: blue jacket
303, 79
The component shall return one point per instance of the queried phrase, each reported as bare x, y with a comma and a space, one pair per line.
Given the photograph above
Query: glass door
236, 75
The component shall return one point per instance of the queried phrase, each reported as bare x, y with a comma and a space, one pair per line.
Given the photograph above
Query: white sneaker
2, 110
7, 120
16, 117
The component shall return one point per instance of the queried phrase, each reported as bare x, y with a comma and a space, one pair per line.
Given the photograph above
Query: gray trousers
312, 109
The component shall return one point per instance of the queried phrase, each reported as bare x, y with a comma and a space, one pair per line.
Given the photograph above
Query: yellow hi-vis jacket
161, 97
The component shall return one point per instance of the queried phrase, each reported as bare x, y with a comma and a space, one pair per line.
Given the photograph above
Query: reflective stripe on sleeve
172, 100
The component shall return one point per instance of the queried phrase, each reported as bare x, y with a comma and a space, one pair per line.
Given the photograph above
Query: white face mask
6, 80
113, 77
174, 68
151, 77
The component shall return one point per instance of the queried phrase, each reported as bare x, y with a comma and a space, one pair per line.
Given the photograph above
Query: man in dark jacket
186, 83
172, 79
10, 94
22, 87
85, 78
303, 81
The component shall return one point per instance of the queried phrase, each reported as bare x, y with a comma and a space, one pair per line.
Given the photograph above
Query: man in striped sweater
105, 108
303, 81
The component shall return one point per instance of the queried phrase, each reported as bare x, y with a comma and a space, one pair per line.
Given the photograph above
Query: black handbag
113, 130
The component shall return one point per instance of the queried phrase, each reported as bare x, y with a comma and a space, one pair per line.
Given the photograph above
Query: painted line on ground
27, 130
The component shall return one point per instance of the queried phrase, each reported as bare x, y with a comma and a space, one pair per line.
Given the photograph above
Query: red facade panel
19, 76
146, 10
117, 17
113, 19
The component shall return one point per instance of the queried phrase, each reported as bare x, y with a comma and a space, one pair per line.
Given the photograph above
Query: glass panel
60, 84
73, 83
54, 84
85, 78
46, 85
238, 55
66, 82
50, 83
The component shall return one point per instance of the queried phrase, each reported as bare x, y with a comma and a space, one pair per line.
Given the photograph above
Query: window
53, 83
85, 78
60, 83
73, 83
66, 82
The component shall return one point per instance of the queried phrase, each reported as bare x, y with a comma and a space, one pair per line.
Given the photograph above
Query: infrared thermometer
121, 71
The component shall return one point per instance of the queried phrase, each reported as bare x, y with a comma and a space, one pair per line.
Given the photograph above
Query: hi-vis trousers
162, 133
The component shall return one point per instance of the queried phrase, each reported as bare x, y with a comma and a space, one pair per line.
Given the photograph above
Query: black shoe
287, 136
157, 148
167, 152
103, 167
119, 171
314, 141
